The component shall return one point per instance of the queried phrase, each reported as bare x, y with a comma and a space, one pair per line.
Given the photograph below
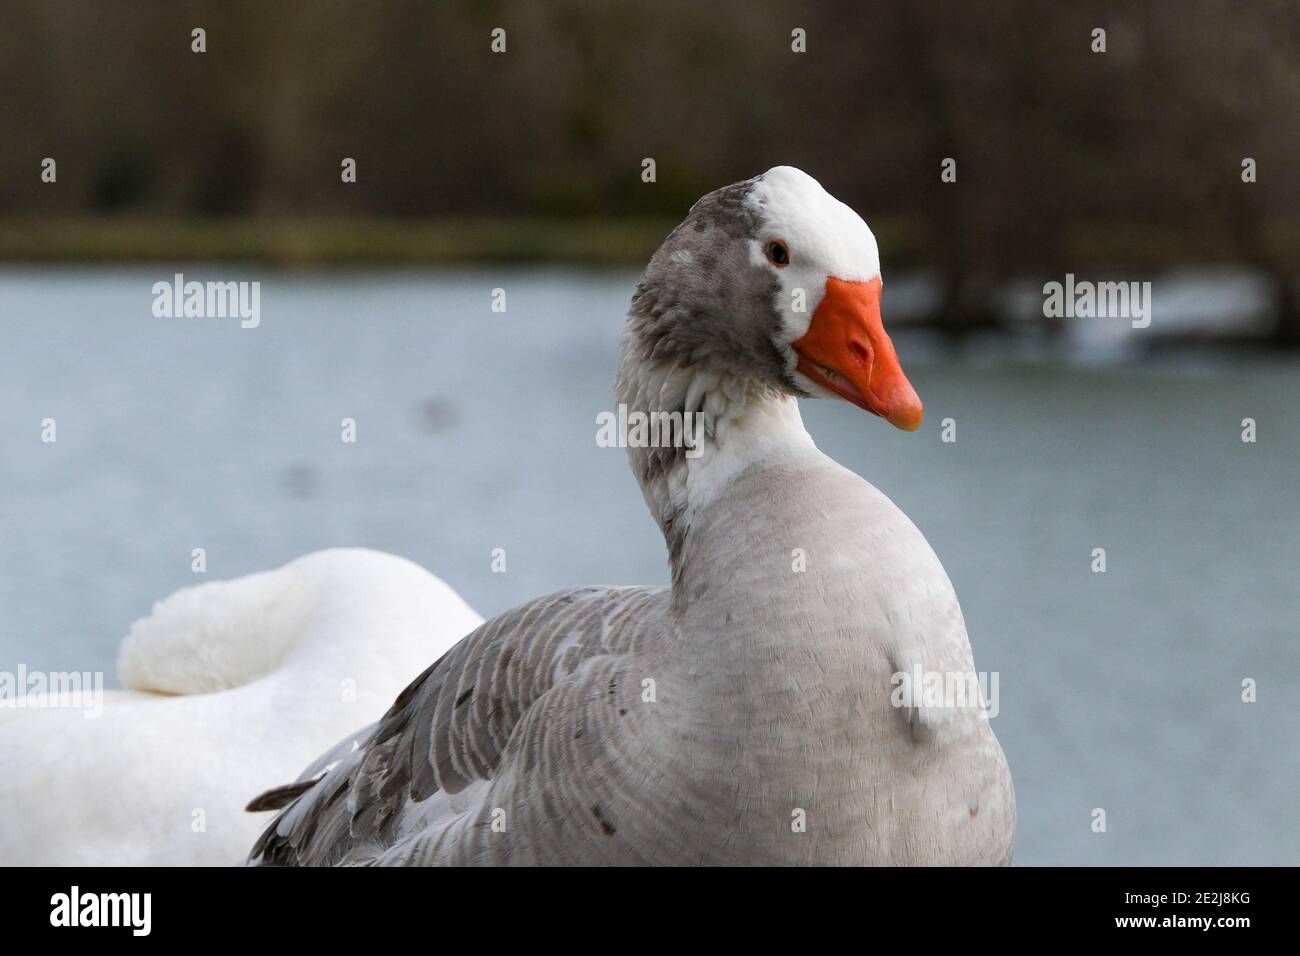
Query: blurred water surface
476, 431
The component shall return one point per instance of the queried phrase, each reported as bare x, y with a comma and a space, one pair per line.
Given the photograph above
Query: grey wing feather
449, 727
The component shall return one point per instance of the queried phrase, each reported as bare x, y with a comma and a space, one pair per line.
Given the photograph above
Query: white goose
231, 687
746, 713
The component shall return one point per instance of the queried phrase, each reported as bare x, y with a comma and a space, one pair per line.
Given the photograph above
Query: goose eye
778, 253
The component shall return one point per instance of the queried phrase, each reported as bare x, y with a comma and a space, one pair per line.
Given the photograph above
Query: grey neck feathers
699, 340
697, 413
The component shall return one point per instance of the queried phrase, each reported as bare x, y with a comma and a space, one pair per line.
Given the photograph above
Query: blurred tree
1067, 159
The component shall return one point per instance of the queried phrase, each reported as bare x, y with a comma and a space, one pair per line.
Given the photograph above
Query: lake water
476, 431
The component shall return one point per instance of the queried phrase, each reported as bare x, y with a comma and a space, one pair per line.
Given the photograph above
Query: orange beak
846, 350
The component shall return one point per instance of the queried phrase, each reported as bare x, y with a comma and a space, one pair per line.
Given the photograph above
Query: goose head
774, 285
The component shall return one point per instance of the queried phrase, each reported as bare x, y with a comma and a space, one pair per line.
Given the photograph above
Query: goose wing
451, 728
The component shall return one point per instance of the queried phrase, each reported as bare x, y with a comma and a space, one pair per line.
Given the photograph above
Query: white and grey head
771, 284
768, 291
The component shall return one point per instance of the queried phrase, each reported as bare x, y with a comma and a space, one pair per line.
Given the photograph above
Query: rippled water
476, 431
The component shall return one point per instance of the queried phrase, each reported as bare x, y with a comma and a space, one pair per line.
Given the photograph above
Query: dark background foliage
1067, 159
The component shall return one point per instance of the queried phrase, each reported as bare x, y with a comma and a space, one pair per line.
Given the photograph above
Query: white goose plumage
231, 687
745, 714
